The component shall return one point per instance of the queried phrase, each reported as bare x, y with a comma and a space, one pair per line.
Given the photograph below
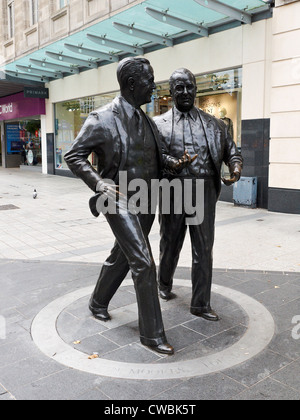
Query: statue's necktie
139, 120
188, 141
188, 135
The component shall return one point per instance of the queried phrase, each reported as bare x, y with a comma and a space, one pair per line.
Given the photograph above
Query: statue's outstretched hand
235, 176
185, 161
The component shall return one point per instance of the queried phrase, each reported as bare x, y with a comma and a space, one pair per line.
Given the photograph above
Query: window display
69, 118
219, 94
24, 138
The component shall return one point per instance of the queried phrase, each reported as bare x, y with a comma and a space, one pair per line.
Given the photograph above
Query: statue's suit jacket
221, 145
105, 133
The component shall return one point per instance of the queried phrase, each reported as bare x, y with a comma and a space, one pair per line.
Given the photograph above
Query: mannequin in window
227, 121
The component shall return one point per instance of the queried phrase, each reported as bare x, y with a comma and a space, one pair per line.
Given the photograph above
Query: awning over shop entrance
10, 85
148, 26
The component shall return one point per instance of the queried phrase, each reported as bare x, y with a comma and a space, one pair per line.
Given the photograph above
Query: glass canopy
150, 25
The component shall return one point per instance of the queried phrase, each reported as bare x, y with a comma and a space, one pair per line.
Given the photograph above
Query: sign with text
34, 92
16, 107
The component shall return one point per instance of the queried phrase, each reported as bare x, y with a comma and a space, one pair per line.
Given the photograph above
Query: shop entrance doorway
23, 142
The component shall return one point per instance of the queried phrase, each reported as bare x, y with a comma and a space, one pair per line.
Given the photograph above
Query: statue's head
183, 88
136, 80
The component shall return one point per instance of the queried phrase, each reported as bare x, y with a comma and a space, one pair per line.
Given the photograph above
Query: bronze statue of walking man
125, 140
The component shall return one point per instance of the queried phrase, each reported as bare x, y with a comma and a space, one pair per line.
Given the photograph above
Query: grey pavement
51, 251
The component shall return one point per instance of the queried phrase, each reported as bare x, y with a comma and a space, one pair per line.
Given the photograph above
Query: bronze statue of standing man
207, 142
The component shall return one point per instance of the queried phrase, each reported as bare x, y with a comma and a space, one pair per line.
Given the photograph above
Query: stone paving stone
253, 287
284, 314
123, 298
27, 370
193, 351
174, 315
226, 338
210, 387
2, 390
280, 295
289, 375
286, 345
79, 309
63, 385
210, 329
96, 344
124, 335
73, 329
122, 389
133, 353
16, 350
269, 390
93, 394
182, 337
258, 368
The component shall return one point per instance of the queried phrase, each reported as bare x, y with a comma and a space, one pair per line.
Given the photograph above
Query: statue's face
144, 86
183, 91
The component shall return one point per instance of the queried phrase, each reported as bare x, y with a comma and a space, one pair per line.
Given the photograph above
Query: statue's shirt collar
127, 107
178, 115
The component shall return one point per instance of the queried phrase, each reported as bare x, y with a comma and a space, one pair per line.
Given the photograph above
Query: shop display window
69, 119
24, 138
218, 93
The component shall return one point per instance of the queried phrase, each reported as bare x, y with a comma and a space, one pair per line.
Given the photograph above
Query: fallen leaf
76, 342
93, 356
277, 287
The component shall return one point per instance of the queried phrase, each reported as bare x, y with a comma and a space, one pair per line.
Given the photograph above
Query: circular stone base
65, 331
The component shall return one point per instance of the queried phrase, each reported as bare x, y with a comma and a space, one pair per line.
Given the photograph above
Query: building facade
245, 55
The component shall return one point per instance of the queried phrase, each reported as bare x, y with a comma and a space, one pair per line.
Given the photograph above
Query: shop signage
17, 107
33, 92
6, 109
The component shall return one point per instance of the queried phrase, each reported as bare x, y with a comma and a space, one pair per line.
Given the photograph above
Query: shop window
218, 93
24, 138
69, 119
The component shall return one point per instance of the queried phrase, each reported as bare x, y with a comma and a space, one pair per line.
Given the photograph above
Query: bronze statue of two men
184, 143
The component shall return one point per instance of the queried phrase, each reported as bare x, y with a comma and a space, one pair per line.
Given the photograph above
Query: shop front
20, 122
69, 119
218, 93
230, 63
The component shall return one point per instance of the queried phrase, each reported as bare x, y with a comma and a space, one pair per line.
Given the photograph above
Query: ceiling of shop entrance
9, 86
150, 25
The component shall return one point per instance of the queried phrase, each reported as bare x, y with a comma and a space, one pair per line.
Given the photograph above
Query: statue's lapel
211, 137
121, 120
